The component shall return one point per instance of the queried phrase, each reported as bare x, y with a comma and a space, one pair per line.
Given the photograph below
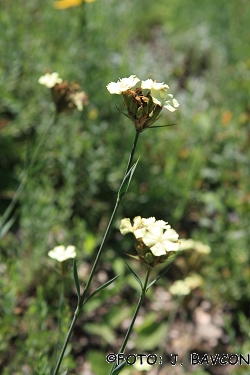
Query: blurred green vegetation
194, 174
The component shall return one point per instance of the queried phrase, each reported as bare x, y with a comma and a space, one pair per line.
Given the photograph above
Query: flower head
143, 103
60, 253
184, 287
50, 80
65, 96
123, 84
155, 239
160, 241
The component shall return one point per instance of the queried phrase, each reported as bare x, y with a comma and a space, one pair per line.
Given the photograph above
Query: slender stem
142, 295
83, 297
66, 340
99, 253
26, 173
132, 152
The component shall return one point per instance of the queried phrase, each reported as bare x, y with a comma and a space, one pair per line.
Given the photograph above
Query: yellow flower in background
64, 4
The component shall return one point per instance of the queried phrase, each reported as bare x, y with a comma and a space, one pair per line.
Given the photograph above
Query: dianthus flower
50, 80
123, 84
60, 253
145, 102
155, 239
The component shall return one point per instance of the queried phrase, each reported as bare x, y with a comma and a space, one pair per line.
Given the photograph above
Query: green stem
66, 340
142, 295
130, 161
24, 180
83, 297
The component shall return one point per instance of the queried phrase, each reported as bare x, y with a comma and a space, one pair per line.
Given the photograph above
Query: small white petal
125, 226
158, 249
122, 84
152, 85
175, 103
50, 80
139, 233
169, 107
170, 235
148, 222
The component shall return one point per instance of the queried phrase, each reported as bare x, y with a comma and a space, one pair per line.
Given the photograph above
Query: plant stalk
83, 297
142, 295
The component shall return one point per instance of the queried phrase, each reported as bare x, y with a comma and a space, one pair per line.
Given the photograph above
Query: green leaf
102, 287
77, 284
151, 284
7, 226
165, 270
159, 126
64, 372
126, 181
118, 369
135, 276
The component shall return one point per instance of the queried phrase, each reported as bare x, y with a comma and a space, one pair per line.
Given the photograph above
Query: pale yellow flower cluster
65, 96
157, 235
198, 246
50, 80
184, 287
158, 91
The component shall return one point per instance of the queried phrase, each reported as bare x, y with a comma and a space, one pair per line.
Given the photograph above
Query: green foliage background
194, 174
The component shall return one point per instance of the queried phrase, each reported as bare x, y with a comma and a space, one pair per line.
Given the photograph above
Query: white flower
60, 253
122, 85
193, 280
79, 99
126, 227
153, 85
139, 226
159, 94
147, 223
155, 234
198, 246
186, 244
202, 248
161, 242
174, 105
50, 80
180, 288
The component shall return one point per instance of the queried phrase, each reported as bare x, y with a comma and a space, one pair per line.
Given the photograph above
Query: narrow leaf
126, 181
102, 287
135, 276
160, 126
77, 284
118, 369
151, 284
7, 226
64, 372
161, 274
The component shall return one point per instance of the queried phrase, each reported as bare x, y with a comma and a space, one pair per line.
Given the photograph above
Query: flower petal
125, 226
122, 84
